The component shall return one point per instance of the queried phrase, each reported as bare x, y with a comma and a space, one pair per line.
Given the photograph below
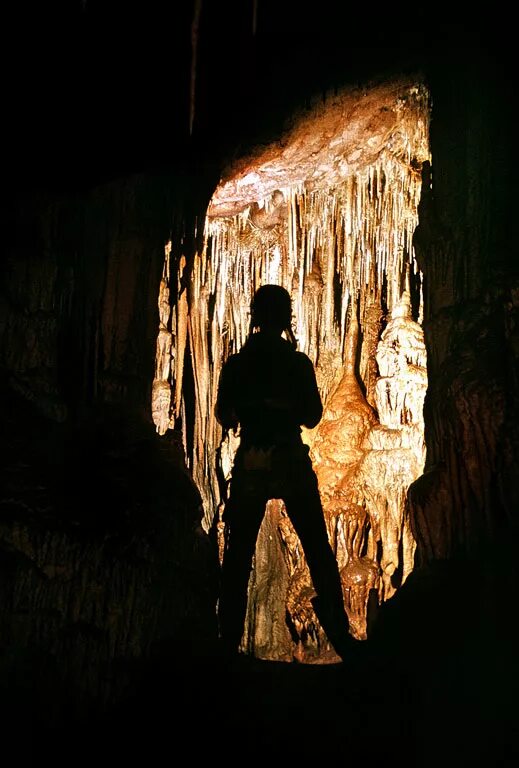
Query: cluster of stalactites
166, 398
325, 246
358, 234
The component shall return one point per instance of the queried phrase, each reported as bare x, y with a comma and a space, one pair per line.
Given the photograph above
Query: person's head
271, 309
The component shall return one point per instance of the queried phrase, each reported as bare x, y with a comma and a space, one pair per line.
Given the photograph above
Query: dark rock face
463, 244
105, 565
76, 321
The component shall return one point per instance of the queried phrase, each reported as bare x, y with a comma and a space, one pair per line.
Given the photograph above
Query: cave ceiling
340, 136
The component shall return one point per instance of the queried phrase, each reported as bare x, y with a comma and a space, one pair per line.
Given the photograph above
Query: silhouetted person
269, 390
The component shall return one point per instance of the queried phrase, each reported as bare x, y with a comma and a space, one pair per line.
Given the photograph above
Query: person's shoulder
303, 358
232, 360
303, 362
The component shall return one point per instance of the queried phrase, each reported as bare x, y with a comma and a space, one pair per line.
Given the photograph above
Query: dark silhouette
269, 390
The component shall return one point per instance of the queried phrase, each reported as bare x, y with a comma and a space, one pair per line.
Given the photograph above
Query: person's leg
304, 508
243, 516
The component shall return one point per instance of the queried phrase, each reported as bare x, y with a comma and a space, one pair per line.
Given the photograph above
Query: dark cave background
108, 582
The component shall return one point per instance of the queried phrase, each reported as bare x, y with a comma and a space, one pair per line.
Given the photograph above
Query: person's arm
310, 403
226, 397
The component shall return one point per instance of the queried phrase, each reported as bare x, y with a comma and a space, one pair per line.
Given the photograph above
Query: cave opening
328, 211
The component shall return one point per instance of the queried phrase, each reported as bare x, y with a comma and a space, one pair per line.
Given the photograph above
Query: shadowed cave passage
328, 212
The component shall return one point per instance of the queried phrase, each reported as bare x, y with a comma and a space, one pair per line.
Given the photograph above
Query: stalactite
181, 315
161, 390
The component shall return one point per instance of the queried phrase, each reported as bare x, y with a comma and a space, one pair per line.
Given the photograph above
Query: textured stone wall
465, 249
78, 294
103, 562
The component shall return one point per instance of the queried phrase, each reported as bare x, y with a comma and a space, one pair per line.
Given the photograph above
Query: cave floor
373, 708
437, 684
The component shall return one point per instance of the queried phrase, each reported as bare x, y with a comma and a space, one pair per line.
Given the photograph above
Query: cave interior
161, 163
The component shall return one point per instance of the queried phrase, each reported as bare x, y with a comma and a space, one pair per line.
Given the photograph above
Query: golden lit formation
329, 213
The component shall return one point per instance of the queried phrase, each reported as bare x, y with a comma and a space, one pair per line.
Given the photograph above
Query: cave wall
78, 296
105, 569
464, 246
